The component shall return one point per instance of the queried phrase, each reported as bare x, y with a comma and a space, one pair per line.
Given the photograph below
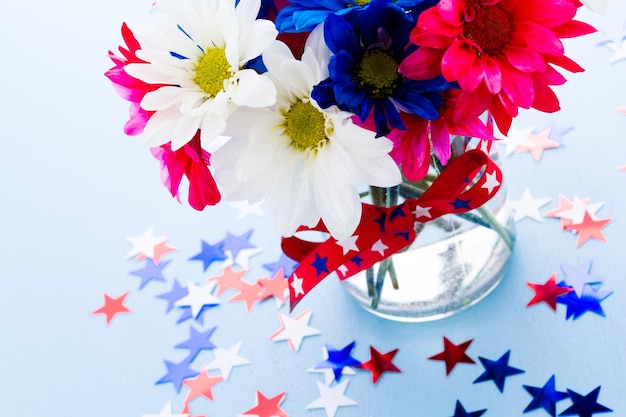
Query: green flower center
377, 73
212, 70
491, 28
306, 126
360, 2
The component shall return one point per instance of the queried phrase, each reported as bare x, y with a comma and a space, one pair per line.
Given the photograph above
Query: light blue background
74, 188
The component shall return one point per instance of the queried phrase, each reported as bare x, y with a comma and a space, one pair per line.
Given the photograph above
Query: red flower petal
524, 59
572, 29
537, 37
493, 76
423, 64
458, 59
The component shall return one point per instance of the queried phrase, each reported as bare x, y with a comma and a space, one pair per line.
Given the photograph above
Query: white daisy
599, 6
198, 49
304, 161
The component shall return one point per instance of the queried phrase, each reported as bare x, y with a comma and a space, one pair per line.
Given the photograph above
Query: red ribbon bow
384, 231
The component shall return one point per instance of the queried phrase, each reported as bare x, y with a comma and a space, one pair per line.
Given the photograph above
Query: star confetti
338, 359
517, 138
228, 279
112, 307
497, 371
145, 244
267, 407
150, 272
545, 397
379, 363
166, 412
540, 143
197, 341
548, 292
159, 250
172, 296
453, 354
201, 385
248, 293
274, 287
528, 206
578, 277
226, 359
331, 399
235, 244
287, 264
589, 229
459, 411
585, 405
209, 254
245, 209
588, 301
177, 373
294, 330
329, 374
197, 298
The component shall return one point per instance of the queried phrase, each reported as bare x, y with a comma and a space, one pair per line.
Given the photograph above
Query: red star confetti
453, 354
112, 307
589, 229
201, 385
294, 330
565, 205
228, 279
540, 143
547, 292
274, 287
379, 363
267, 407
248, 293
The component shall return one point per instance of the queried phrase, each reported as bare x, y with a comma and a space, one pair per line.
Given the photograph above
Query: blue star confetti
585, 405
497, 371
150, 272
338, 359
176, 373
236, 244
209, 254
197, 341
588, 301
176, 293
459, 411
545, 397
286, 263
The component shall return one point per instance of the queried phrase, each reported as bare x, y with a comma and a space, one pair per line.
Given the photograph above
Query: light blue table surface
75, 188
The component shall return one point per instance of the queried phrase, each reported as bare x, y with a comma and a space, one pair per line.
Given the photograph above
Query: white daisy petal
253, 90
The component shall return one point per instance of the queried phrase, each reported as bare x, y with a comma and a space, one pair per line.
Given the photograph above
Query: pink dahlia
501, 52
190, 161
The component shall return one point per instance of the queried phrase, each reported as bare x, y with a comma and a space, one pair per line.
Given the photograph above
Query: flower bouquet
302, 104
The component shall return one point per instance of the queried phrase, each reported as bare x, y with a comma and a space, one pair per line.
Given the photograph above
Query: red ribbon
384, 231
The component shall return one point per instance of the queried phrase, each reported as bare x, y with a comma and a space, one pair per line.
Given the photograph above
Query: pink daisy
501, 52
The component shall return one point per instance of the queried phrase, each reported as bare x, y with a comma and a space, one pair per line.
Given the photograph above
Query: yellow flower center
212, 70
361, 2
491, 28
306, 126
377, 73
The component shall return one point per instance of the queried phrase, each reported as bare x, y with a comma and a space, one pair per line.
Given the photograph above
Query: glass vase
454, 262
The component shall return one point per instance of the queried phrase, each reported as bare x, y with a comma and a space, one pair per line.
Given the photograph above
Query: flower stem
504, 233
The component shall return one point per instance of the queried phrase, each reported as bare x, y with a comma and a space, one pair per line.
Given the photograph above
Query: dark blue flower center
377, 73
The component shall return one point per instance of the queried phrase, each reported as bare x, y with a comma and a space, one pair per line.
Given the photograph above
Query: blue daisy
363, 70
